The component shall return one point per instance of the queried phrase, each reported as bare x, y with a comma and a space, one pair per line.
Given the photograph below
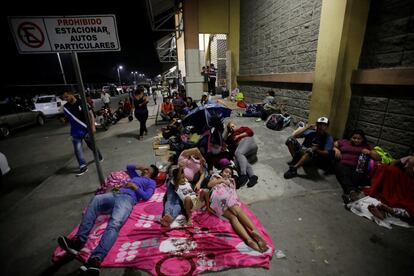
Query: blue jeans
77, 146
172, 204
119, 206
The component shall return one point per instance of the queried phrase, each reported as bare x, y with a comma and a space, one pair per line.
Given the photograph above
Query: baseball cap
322, 120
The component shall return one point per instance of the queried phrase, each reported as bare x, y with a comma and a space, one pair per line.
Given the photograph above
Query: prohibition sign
31, 35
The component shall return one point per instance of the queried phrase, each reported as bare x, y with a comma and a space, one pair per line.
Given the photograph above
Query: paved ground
35, 153
304, 216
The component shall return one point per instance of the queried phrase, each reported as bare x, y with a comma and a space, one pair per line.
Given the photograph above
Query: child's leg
188, 205
240, 230
205, 196
247, 222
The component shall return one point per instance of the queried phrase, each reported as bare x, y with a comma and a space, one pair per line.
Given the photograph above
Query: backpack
386, 158
239, 96
278, 121
114, 181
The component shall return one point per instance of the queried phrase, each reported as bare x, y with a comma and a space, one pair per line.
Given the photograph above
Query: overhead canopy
170, 73
161, 14
167, 49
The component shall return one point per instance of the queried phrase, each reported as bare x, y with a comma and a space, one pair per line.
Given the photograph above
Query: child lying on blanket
224, 201
191, 200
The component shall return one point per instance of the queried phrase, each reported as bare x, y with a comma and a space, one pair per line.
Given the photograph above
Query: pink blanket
209, 245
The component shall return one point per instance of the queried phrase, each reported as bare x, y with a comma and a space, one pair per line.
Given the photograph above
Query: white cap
322, 120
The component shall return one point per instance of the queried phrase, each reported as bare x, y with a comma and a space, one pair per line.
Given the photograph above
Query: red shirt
167, 107
239, 131
350, 153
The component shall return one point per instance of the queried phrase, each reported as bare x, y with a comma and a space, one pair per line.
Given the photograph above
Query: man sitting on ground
316, 148
119, 205
167, 109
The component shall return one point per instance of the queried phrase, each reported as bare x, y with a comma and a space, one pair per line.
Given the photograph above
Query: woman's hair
154, 171
175, 173
359, 132
271, 93
139, 90
227, 131
228, 167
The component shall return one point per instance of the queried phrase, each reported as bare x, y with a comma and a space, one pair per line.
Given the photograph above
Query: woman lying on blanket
393, 185
224, 201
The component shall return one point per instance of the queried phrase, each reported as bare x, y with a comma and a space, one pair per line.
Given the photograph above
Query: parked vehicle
4, 166
49, 105
111, 89
16, 116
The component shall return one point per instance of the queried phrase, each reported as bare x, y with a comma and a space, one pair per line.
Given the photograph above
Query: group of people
211, 163
179, 105
192, 186
203, 178
356, 165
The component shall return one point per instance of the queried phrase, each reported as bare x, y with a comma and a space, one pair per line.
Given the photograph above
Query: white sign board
52, 34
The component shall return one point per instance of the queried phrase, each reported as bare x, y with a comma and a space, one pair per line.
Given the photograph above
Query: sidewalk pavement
304, 216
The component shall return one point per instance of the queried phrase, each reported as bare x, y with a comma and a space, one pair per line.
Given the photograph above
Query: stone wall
386, 113
278, 36
389, 37
295, 97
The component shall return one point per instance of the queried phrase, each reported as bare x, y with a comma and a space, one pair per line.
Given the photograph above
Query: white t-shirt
106, 98
185, 190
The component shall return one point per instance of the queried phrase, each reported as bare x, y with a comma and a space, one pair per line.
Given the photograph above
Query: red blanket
393, 187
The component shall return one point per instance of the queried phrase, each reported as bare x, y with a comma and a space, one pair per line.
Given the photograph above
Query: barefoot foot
376, 212
166, 220
260, 241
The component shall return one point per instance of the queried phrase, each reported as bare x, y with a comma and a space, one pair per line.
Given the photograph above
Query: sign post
70, 34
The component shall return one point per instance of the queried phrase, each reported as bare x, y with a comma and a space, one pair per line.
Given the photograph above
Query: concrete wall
278, 36
386, 113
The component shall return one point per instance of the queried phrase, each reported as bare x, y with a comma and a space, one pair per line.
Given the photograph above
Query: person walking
106, 99
78, 128
141, 111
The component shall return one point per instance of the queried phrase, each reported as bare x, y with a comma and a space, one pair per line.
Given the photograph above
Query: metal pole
61, 69
119, 76
86, 114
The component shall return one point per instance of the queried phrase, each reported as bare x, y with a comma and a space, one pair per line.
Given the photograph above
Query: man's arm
92, 119
146, 191
131, 169
301, 131
328, 147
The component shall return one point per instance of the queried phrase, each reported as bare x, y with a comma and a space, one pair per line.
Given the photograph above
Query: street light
135, 75
119, 75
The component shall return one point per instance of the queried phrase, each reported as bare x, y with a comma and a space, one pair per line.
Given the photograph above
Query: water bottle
362, 163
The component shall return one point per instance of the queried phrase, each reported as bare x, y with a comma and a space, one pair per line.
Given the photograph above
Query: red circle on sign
31, 35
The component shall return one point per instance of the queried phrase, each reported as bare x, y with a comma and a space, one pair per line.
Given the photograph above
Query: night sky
137, 48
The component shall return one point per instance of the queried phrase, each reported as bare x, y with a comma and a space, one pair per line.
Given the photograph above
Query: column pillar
233, 43
341, 35
193, 79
